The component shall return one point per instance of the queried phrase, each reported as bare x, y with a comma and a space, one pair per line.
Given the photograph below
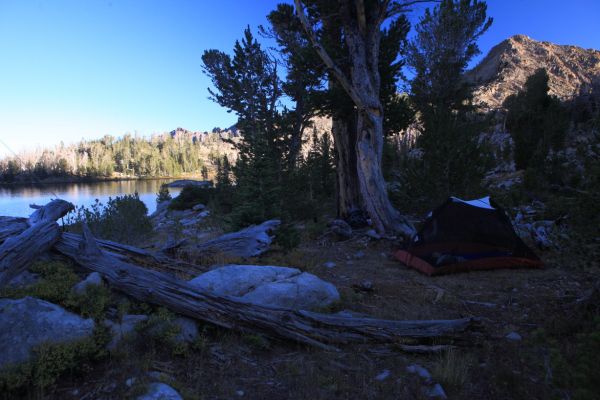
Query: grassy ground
541, 305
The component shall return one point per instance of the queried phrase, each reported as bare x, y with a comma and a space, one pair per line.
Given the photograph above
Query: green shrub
56, 281
123, 219
50, 361
163, 194
576, 363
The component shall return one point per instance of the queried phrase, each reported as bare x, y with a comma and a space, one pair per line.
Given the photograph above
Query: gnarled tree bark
362, 33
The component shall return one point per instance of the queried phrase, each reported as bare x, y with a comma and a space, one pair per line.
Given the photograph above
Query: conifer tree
439, 54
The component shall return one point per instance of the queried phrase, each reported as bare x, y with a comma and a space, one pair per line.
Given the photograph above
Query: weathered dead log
248, 242
135, 255
311, 328
12, 226
18, 251
52, 211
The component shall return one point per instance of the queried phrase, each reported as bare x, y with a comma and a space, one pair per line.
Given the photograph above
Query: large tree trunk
347, 186
361, 27
373, 189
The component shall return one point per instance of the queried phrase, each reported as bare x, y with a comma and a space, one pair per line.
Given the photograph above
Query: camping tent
467, 235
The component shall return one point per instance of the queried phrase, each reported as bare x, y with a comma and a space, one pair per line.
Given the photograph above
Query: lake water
15, 200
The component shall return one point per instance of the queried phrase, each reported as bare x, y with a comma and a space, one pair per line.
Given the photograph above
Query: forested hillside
163, 155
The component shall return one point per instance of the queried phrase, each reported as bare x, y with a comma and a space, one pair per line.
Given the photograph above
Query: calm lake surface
15, 200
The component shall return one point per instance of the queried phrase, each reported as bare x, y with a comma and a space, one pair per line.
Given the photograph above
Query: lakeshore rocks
189, 182
271, 286
29, 322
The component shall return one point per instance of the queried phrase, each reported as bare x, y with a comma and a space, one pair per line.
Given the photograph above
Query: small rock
364, 286
120, 330
351, 314
341, 228
373, 234
419, 370
24, 279
130, 382
239, 392
199, 207
329, 264
359, 254
204, 214
93, 279
160, 391
514, 336
383, 375
436, 392
188, 330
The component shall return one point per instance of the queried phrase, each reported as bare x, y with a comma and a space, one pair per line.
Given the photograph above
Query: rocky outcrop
190, 182
508, 65
29, 322
270, 286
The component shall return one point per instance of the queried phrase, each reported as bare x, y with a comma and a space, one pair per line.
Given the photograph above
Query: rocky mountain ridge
572, 69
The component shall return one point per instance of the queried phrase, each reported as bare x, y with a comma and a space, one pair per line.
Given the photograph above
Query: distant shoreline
66, 180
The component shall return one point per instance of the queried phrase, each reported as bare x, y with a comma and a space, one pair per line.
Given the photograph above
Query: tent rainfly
463, 235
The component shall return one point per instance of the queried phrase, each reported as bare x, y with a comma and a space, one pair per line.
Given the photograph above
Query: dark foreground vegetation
540, 332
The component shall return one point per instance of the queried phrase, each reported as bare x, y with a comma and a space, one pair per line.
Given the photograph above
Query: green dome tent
463, 235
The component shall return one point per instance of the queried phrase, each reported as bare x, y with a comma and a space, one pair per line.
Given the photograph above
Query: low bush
123, 219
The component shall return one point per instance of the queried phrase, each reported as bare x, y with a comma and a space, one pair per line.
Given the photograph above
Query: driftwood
19, 250
311, 328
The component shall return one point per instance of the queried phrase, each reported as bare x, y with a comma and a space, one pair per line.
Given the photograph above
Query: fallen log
306, 327
40, 234
248, 242
132, 254
12, 226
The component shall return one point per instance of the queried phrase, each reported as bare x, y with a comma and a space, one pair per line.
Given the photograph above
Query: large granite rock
160, 391
270, 286
29, 322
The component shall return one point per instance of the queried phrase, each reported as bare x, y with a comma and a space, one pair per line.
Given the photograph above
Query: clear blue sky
85, 68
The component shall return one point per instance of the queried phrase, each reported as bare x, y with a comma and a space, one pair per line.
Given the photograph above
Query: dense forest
166, 155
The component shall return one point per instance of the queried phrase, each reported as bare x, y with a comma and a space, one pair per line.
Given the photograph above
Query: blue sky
85, 68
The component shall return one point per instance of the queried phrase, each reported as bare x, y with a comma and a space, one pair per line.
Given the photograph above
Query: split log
248, 242
20, 250
135, 255
306, 327
12, 226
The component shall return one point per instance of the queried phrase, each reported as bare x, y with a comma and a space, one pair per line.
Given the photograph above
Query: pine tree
439, 54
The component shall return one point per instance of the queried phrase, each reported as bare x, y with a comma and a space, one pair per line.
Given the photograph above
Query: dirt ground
227, 365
